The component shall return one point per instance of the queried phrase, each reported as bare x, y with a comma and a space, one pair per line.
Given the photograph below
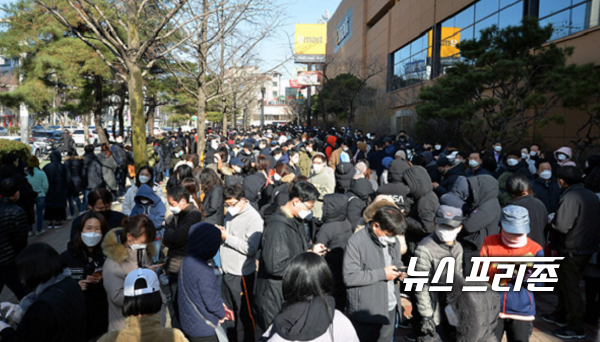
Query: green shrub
23, 151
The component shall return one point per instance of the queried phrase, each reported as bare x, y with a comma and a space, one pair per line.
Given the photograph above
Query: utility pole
262, 107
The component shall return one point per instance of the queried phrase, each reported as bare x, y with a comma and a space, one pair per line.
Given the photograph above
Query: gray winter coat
364, 275
429, 253
109, 167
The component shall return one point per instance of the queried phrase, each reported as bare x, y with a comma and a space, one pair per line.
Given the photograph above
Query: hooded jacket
568, 152
109, 167
197, 286
576, 222
547, 192
522, 167
477, 312
357, 200
76, 167
422, 213
283, 238
120, 260
324, 181
155, 210
129, 201
311, 321
449, 178
305, 161
396, 188
213, 205
344, 174
253, 187
93, 172
58, 179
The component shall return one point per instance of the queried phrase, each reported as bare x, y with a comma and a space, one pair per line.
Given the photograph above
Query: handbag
221, 334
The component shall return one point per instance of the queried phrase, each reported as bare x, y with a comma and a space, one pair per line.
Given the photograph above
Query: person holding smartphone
85, 260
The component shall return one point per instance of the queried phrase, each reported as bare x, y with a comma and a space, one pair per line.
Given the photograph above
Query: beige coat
144, 329
120, 260
325, 183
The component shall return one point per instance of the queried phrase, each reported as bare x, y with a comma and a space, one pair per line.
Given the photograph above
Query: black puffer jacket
538, 218
422, 213
176, 233
77, 169
26, 193
93, 171
58, 179
344, 174
357, 200
13, 231
284, 238
449, 178
213, 205
83, 265
253, 187
396, 188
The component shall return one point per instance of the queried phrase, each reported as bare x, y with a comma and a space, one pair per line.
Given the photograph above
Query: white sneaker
41, 232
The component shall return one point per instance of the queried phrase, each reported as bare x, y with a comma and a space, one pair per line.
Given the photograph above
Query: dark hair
292, 153
137, 226
72, 153
489, 163
79, 245
184, 171
277, 151
298, 178
304, 191
541, 161
8, 187
137, 177
462, 154
38, 263
99, 194
307, 276
282, 170
534, 144
194, 158
9, 158
146, 304
89, 148
262, 163
208, 180
569, 174
191, 185
235, 191
512, 153
390, 219
379, 144
592, 181
517, 184
419, 160
178, 192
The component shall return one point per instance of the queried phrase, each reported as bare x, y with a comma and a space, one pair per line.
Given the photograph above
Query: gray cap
448, 217
515, 220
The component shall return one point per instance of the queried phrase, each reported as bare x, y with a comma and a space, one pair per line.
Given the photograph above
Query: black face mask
105, 213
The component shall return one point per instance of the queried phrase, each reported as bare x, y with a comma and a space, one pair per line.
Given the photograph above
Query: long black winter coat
283, 238
166, 153
357, 200
422, 213
13, 231
253, 187
548, 193
344, 174
83, 265
93, 172
26, 193
59, 177
78, 174
176, 233
213, 205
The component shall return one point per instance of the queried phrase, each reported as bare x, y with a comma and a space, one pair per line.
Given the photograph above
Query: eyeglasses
232, 205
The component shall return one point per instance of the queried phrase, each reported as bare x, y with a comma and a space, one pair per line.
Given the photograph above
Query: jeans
72, 201
40, 202
84, 203
166, 173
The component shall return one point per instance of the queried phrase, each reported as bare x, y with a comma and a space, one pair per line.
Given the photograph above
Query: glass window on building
569, 16
274, 84
274, 94
412, 63
291, 92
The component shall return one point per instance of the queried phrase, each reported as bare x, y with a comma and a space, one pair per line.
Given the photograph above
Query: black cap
443, 161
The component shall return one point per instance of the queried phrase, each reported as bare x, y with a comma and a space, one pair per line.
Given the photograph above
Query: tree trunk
136, 107
86, 128
201, 97
98, 109
150, 123
224, 121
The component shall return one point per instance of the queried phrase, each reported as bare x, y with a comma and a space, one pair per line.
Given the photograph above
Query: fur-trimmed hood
117, 251
289, 178
74, 158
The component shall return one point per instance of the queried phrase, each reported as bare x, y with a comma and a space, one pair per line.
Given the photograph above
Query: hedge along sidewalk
22, 150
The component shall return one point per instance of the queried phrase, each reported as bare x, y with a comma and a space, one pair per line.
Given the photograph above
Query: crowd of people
288, 234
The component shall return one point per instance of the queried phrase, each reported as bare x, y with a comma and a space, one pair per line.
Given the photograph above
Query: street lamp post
262, 107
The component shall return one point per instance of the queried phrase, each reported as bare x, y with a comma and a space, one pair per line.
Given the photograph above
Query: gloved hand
428, 326
13, 311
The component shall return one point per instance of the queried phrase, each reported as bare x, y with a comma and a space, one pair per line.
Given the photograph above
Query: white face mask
277, 177
318, 168
233, 211
309, 149
345, 149
304, 214
447, 235
138, 246
145, 201
561, 157
524, 155
498, 148
237, 169
214, 144
512, 162
387, 240
546, 174
438, 147
175, 210
144, 179
91, 239
119, 140
533, 154
473, 163
296, 160
277, 157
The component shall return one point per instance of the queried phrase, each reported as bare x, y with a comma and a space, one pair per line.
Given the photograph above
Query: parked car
54, 128
38, 128
46, 140
71, 129
3, 131
79, 137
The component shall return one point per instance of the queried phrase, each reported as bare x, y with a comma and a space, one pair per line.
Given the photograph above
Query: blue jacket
197, 286
155, 210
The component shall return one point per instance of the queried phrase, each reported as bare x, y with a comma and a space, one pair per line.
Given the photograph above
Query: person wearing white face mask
563, 155
513, 164
430, 251
241, 235
85, 259
545, 186
294, 161
334, 159
306, 153
284, 237
323, 178
149, 204
126, 249
145, 176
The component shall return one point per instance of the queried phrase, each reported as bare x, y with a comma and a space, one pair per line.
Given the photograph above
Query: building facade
415, 41
8, 82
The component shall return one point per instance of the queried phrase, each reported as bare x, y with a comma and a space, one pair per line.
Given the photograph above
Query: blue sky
273, 51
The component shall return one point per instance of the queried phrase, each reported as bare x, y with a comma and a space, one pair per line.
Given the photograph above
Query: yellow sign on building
311, 39
450, 37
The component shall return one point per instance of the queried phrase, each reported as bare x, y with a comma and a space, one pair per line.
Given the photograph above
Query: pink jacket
568, 152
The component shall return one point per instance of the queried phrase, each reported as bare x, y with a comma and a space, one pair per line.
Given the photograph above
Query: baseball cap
236, 161
152, 284
515, 219
448, 217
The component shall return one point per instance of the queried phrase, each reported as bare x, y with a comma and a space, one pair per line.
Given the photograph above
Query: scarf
28, 300
514, 240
